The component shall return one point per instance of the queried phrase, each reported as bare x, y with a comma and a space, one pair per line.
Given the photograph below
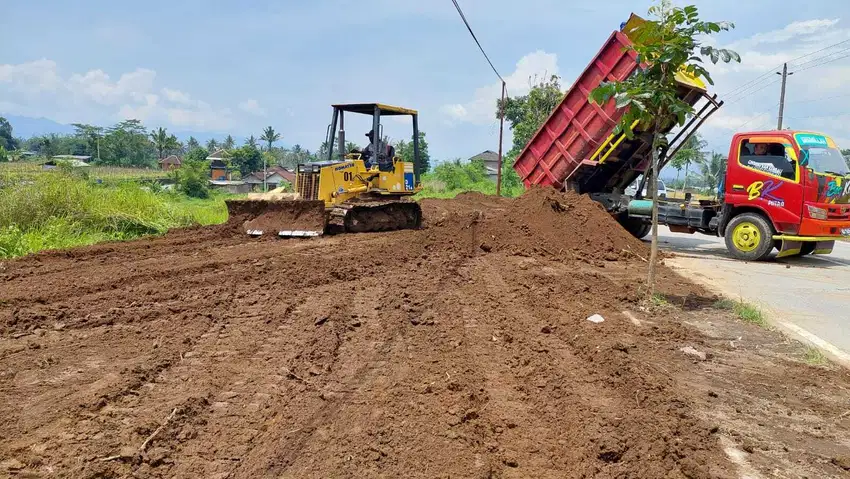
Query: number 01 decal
348, 176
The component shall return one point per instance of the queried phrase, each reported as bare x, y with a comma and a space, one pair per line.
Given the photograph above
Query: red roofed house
170, 163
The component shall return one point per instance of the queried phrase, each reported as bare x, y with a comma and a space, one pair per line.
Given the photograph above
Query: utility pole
782, 93
501, 132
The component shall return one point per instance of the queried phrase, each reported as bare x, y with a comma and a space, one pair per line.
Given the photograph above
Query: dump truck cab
796, 180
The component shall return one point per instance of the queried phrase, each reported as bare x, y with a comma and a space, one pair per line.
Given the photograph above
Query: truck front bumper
824, 228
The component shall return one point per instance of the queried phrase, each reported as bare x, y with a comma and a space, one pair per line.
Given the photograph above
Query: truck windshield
827, 160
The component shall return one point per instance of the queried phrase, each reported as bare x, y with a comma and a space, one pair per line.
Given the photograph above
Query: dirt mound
459, 350
542, 221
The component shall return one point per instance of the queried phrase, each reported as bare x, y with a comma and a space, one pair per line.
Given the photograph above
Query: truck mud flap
789, 248
824, 247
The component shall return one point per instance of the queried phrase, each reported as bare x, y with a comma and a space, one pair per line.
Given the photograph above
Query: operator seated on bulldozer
385, 155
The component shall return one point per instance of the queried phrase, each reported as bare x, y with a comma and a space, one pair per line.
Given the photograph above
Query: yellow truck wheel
749, 237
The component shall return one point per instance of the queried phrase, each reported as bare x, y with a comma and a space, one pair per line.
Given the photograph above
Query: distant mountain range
26, 127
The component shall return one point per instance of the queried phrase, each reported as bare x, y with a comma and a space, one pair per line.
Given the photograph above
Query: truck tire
635, 227
749, 237
642, 231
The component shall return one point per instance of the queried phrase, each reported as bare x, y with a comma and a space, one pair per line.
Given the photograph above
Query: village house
169, 163
276, 177
491, 163
219, 169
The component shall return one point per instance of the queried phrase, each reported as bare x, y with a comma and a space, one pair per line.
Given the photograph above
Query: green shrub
449, 179
193, 180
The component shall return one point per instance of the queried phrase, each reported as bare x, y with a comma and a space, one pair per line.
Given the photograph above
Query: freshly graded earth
462, 349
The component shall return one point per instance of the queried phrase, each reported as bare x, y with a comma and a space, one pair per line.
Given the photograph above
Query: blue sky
235, 67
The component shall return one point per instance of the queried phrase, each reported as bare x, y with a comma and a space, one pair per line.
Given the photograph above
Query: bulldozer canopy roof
369, 108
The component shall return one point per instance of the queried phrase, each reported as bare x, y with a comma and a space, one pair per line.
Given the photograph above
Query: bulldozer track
373, 216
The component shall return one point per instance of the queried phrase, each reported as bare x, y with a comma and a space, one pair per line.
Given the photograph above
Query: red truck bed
575, 147
576, 128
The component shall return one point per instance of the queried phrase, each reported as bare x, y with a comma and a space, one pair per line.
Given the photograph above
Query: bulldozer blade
284, 218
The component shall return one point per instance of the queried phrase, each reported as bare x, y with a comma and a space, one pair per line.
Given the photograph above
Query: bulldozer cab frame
376, 110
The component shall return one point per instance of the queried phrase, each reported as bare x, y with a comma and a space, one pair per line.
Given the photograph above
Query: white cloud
815, 95
36, 76
252, 106
38, 89
176, 96
791, 31
481, 108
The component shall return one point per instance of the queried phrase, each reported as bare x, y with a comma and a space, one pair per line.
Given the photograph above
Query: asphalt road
808, 297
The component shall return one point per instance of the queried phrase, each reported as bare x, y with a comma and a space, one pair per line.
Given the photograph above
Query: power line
752, 91
463, 17
815, 100
740, 90
824, 62
817, 51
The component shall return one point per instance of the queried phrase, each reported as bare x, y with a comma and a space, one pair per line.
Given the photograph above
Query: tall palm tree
713, 169
270, 136
228, 143
161, 140
212, 145
192, 143
173, 145
251, 141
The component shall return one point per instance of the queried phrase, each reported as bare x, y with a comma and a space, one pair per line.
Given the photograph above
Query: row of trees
129, 143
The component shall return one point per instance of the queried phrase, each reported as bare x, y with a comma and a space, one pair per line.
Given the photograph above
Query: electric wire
463, 17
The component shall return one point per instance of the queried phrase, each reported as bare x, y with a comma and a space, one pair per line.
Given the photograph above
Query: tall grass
60, 210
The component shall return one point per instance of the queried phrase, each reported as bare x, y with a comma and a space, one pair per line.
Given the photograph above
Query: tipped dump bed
576, 127
575, 147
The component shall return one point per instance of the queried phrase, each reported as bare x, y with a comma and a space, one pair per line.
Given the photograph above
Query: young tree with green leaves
670, 42
251, 141
270, 136
191, 144
212, 145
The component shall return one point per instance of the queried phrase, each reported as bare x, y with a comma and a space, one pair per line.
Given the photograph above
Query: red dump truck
782, 189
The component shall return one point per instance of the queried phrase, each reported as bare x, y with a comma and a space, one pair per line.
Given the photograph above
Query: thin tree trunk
679, 172
685, 184
653, 188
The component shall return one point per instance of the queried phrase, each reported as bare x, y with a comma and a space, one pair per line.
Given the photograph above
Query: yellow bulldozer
357, 191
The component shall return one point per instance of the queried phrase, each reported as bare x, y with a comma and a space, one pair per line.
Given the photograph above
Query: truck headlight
816, 213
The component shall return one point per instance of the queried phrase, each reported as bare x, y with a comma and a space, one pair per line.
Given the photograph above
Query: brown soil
271, 216
458, 350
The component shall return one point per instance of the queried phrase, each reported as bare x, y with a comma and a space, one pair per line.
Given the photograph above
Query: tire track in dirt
357, 356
